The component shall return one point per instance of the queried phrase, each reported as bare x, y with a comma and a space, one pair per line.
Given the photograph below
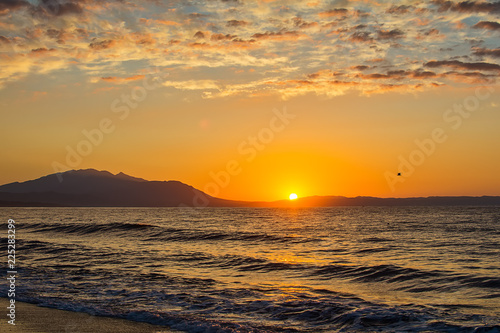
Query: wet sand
31, 318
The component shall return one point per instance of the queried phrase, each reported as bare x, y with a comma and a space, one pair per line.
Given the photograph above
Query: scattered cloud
399, 10
280, 35
487, 25
487, 52
8, 5
102, 45
361, 37
456, 64
193, 85
236, 23
120, 80
150, 22
337, 12
199, 35
238, 48
468, 6
57, 8
390, 34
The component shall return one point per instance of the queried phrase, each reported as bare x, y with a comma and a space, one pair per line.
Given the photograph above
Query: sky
254, 100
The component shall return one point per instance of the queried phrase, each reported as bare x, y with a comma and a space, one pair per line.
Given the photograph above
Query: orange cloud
281, 35
120, 80
165, 22
40, 52
384, 88
149, 22
487, 25
224, 45
460, 25
421, 21
469, 77
456, 64
302, 24
468, 6
236, 23
102, 45
487, 52
334, 13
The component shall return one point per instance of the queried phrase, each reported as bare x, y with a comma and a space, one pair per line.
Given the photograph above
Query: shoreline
31, 318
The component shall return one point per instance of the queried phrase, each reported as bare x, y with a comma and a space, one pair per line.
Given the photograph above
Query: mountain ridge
94, 188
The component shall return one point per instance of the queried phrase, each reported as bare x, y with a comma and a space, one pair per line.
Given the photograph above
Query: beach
31, 318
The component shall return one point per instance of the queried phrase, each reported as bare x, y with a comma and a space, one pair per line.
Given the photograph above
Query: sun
293, 196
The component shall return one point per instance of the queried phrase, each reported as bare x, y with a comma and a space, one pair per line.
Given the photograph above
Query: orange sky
254, 101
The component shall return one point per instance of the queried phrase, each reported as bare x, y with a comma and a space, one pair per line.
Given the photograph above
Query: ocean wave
241, 311
258, 270
158, 233
88, 228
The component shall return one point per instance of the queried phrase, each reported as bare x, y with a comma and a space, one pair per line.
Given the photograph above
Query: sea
340, 269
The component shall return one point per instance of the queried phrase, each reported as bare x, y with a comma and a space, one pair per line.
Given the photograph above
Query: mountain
93, 188
101, 188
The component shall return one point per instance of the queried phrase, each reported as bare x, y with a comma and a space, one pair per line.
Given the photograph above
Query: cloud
487, 25
218, 37
399, 10
280, 35
8, 5
421, 74
302, 24
150, 22
224, 42
120, 80
469, 77
456, 64
399, 75
361, 67
487, 52
197, 16
432, 32
57, 8
468, 6
199, 35
293, 47
236, 23
42, 50
361, 37
193, 85
102, 45
390, 34
337, 12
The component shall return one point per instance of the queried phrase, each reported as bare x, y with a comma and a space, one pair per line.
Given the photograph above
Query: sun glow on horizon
293, 196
